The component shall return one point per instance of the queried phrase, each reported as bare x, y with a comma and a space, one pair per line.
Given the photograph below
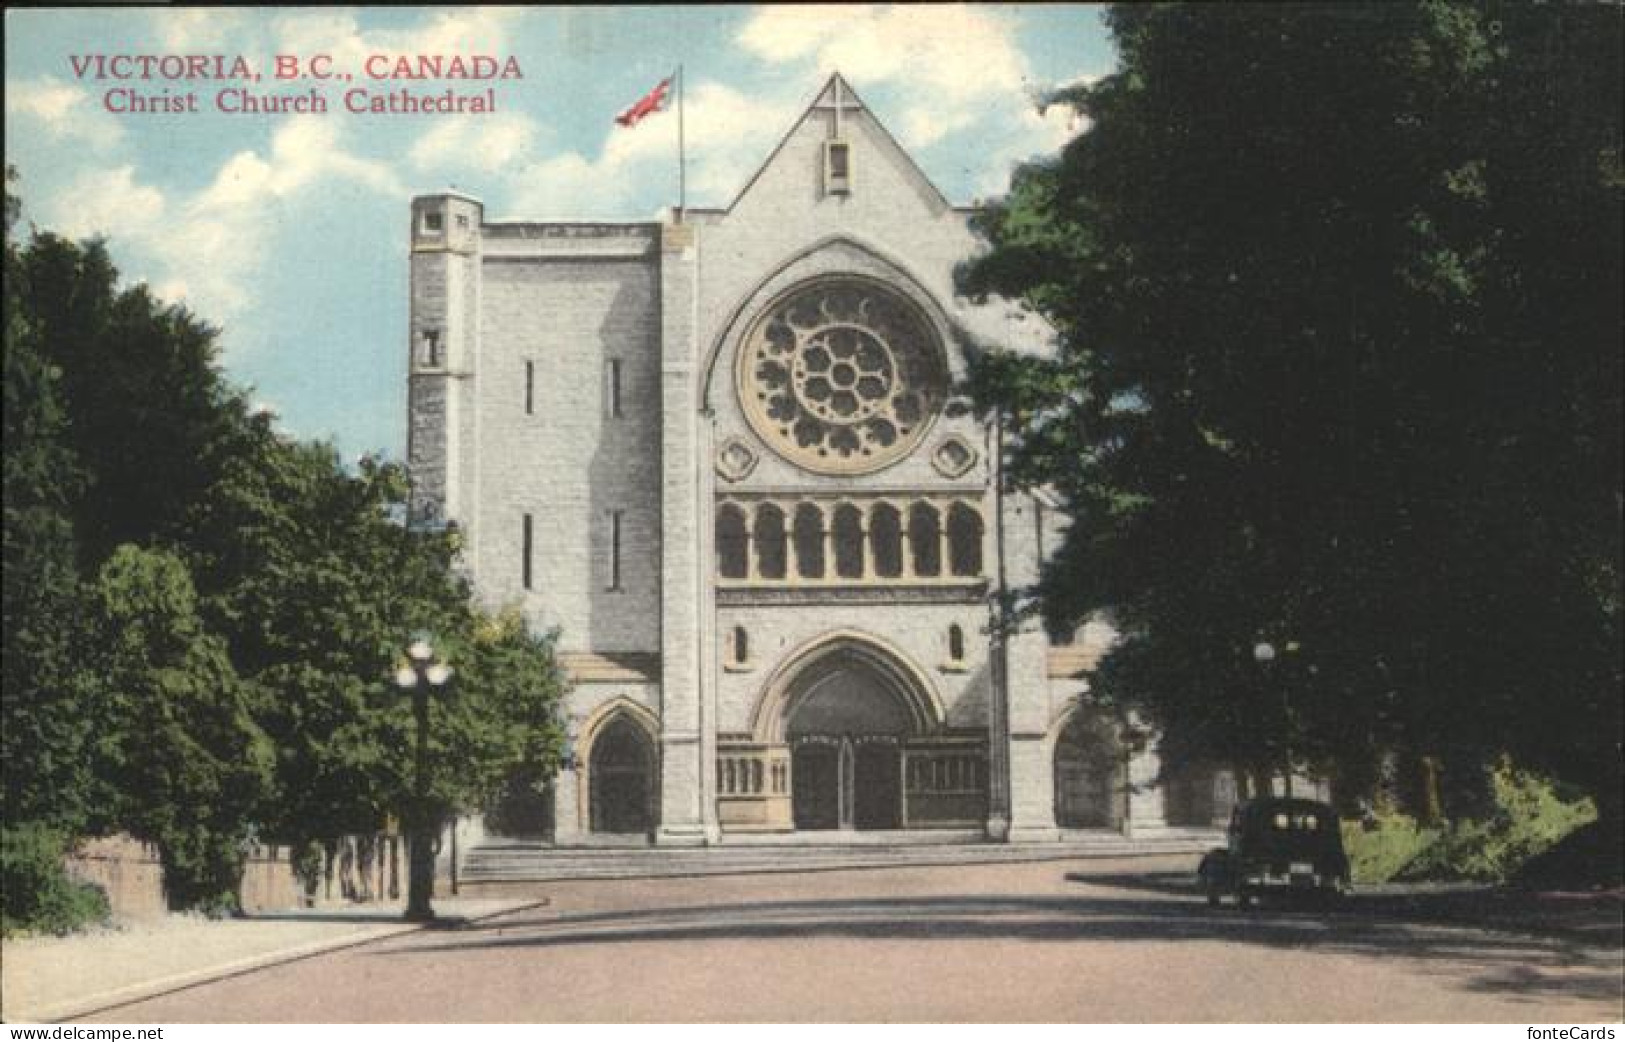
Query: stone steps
510, 861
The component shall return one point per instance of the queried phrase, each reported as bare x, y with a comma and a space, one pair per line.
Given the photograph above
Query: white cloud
922, 127
490, 144
63, 111
956, 51
305, 149
948, 64
569, 185
193, 29
206, 249
105, 202
728, 133
950, 75
941, 74
336, 33
221, 241
1028, 134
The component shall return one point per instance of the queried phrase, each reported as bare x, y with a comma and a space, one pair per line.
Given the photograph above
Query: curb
143, 990
699, 871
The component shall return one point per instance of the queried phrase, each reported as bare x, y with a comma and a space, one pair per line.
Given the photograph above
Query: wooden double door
846, 782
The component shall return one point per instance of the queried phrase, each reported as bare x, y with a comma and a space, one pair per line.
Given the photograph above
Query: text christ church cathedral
718, 453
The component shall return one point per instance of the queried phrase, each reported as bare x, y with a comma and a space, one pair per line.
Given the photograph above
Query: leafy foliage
202, 616
151, 412
499, 724
190, 766
1527, 816
44, 741
317, 589
36, 894
1378, 849
1337, 290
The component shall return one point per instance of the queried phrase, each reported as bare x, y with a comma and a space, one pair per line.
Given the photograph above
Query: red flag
654, 101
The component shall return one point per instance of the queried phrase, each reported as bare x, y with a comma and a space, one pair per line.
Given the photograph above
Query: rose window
843, 376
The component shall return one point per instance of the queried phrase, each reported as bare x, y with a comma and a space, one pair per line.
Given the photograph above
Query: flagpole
682, 155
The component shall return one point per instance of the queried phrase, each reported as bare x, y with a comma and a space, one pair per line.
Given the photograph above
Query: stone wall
918, 631
130, 874
567, 461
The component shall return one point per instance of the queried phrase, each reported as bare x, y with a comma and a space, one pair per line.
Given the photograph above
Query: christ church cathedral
724, 455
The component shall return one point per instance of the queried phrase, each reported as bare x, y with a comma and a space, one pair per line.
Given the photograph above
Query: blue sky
289, 231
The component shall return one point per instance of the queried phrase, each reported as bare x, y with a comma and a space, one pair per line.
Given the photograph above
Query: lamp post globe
1264, 655
422, 674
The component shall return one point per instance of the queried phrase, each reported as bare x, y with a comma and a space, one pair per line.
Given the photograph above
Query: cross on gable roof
837, 96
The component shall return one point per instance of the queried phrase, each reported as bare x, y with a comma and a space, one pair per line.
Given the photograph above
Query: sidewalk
47, 979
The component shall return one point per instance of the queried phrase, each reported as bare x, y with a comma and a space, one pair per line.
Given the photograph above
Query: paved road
1058, 941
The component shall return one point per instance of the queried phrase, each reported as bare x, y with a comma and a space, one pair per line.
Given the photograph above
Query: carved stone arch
595, 721
894, 274
796, 676
1058, 723
618, 710
1102, 799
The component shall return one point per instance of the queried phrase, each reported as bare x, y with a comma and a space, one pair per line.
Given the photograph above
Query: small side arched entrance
622, 772
1091, 773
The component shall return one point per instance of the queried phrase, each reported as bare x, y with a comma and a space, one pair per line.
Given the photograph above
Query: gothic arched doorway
846, 731
851, 734
622, 772
1091, 784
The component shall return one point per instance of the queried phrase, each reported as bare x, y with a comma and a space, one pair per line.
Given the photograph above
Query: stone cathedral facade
721, 453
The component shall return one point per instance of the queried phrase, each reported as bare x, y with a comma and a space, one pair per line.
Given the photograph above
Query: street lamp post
423, 673
1264, 655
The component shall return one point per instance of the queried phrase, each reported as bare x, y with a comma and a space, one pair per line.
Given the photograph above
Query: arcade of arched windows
842, 541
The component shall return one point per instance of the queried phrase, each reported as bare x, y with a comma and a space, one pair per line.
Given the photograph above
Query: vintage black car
1277, 845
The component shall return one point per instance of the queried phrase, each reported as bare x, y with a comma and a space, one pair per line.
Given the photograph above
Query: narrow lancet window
809, 541
615, 518
733, 542
769, 537
612, 389
524, 552
886, 540
964, 540
924, 539
848, 542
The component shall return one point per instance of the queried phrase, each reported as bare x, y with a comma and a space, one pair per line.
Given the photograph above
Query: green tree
318, 586
43, 742
228, 671
1337, 290
190, 766
151, 413
499, 721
